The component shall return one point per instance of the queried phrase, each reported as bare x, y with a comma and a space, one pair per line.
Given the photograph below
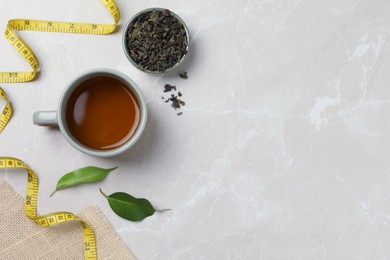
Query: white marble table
282, 151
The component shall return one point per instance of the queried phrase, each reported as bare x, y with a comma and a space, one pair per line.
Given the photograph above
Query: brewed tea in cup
101, 112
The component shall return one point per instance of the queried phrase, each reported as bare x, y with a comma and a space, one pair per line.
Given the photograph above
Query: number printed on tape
6, 113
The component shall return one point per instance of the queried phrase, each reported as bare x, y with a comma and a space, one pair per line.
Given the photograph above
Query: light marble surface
283, 148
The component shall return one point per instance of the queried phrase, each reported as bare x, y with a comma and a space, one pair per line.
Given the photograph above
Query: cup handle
45, 118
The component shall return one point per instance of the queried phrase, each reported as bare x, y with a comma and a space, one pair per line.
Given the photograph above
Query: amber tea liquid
102, 113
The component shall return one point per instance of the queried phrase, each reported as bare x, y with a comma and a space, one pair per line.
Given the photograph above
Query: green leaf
130, 208
82, 175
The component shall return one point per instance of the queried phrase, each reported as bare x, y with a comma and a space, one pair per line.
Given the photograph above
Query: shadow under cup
101, 112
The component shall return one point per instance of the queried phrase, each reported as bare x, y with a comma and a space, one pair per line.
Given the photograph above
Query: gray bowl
130, 23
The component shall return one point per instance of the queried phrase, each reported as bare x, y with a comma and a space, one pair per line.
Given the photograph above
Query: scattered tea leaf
82, 175
175, 100
168, 88
128, 207
183, 75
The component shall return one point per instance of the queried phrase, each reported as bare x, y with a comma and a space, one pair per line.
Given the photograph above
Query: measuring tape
30, 207
49, 26
7, 111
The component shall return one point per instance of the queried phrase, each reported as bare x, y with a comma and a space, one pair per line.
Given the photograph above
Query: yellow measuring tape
49, 26
7, 111
30, 207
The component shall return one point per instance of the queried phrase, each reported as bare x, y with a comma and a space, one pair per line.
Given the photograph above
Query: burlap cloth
21, 238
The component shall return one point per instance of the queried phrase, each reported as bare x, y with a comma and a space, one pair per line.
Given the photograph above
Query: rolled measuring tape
30, 207
49, 26
6, 114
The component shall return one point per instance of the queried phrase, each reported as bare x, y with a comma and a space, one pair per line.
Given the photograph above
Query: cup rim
126, 29
73, 84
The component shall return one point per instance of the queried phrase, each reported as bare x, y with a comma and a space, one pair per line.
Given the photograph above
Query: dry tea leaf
183, 75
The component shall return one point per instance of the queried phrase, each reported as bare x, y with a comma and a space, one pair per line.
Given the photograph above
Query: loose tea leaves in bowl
156, 40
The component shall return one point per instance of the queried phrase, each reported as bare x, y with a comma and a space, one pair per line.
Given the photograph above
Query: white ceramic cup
58, 118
